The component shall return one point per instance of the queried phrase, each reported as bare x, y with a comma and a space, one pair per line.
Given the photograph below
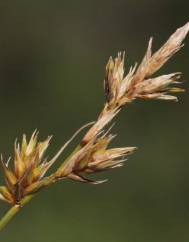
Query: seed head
94, 157
29, 167
138, 83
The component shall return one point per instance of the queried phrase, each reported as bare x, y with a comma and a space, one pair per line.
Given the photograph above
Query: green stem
13, 211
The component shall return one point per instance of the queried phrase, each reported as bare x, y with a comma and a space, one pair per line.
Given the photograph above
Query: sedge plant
28, 173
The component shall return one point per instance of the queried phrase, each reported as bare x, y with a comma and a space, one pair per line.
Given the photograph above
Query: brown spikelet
94, 157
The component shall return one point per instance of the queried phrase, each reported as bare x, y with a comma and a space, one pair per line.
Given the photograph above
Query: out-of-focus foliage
51, 54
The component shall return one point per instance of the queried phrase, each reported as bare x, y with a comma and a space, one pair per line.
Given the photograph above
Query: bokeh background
52, 60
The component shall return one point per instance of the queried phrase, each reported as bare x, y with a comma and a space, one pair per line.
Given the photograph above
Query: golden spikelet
29, 167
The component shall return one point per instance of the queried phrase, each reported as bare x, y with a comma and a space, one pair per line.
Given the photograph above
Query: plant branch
13, 211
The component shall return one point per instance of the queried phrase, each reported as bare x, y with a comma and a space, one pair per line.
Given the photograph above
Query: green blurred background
52, 59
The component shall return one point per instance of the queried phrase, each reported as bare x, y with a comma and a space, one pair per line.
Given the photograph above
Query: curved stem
13, 211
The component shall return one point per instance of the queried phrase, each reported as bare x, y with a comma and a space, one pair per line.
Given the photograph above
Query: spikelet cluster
29, 167
121, 88
29, 171
94, 157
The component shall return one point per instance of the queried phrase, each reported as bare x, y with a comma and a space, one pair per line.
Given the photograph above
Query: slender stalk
13, 211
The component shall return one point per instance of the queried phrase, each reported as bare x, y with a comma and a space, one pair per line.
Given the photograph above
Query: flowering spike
93, 154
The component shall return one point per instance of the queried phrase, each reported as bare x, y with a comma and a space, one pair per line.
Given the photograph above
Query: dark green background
52, 59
